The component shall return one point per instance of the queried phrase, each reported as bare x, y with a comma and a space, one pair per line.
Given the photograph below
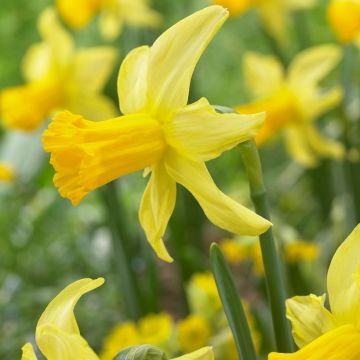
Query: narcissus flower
344, 18
275, 14
114, 14
58, 76
6, 172
293, 100
160, 133
322, 334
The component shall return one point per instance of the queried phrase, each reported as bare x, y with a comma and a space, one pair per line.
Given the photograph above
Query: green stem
302, 29
116, 219
273, 275
232, 305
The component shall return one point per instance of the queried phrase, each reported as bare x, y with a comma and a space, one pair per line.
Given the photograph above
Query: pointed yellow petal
132, 83
37, 62
28, 352
56, 344
219, 208
264, 74
174, 56
156, 207
205, 353
60, 311
199, 132
309, 318
312, 65
93, 67
88, 154
110, 22
343, 282
342, 343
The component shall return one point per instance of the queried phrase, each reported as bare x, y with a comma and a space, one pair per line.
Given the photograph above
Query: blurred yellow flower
344, 18
299, 250
294, 100
58, 76
275, 14
158, 132
7, 173
322, 334
122, 336
57, 333
114, 14
193, 332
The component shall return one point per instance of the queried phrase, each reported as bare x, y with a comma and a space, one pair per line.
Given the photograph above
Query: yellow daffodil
274, 14
344, 18
300, 250
6, 172
114, 14
159, 132
294, 100
58, 76
57, 333
322, 334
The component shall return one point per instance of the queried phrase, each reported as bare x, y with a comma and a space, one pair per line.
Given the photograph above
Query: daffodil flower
114, 14
274, 14
323, 334
58, 76
344, 19
293, 100
58, 335
6, 172
160, 133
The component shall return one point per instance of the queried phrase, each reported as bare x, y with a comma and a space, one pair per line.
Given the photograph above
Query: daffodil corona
294, 100
322, 334
58, 76
158, 132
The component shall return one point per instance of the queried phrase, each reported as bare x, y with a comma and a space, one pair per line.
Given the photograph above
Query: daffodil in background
114, 14
58, 76
7, 173
160, 133
293, 100
335, 334
275, 14
344, 19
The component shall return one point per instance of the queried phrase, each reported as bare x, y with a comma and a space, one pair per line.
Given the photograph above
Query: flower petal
56, 344
343, 282
174, 56
28, 352
199, 132
60, 311
37, 62
205, 353
309, 318
156, 207
132, 84
110, 23
264, 74
219, 208
339, 344
93, 67
311, 65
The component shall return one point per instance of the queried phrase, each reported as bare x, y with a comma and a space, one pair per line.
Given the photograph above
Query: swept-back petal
60, 311
343, 282
57, 344
219, 208
311, 65
309, 318
92, 68
174, 56
156, 207
264, 74
37, 62
28, 352
205, 353
339, 344
199, 132
132, 81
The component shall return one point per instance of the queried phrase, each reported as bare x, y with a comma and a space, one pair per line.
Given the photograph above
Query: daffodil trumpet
158, 132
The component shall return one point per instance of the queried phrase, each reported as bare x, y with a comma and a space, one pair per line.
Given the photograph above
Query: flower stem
233, 308
130, 292
273, 275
